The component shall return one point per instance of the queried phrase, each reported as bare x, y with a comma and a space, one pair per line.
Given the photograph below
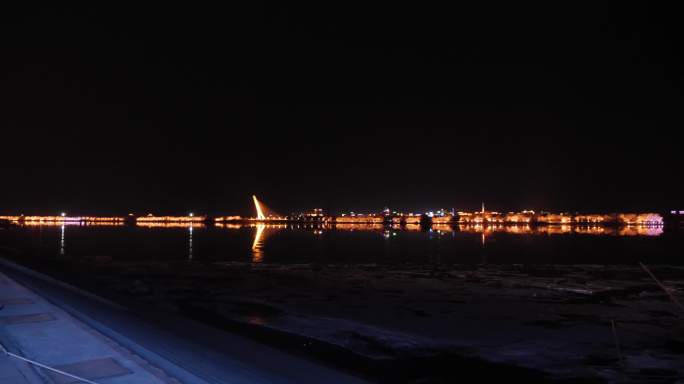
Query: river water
354, 244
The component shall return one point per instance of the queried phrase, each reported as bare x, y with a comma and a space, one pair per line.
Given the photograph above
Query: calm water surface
353, 244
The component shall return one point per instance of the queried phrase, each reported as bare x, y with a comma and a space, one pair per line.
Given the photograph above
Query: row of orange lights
526, 217
63, 218
441, 228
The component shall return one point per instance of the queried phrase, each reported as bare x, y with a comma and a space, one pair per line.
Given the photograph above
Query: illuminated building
480, 217
524, 217
316, 212
150, 218
640, 219
594, 218
406, 219
554, 218
223, 219
314, 215
170, 224
361, 219
63, 219
440, 220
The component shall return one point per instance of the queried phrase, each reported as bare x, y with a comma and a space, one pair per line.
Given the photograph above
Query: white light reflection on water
190, 242
62, 241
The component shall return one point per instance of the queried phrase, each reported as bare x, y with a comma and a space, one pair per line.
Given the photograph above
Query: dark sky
175, 108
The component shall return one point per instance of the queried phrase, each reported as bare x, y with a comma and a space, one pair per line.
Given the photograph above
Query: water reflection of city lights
62, 241
229, 226
648, 230
636, 230
257, 244
190, 242
439, 230
151, 219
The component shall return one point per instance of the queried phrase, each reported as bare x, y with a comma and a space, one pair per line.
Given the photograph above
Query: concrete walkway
35, 329
15, 371
64, 325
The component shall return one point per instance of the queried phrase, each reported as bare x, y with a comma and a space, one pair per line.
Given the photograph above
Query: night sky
172, 109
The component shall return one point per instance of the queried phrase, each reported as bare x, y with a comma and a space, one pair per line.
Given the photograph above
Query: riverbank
555, 320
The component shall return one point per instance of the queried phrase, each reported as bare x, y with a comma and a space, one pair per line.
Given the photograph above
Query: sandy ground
606, 323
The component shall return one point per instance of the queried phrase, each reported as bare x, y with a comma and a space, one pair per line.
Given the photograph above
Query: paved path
40, 331
74, 328
15, 372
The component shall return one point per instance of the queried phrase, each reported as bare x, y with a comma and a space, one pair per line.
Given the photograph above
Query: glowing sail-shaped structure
260, 213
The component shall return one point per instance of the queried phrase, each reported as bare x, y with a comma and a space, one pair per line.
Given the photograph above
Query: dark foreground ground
415, 323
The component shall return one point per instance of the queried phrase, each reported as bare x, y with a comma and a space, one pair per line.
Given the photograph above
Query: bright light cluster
170, 219
63, 219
